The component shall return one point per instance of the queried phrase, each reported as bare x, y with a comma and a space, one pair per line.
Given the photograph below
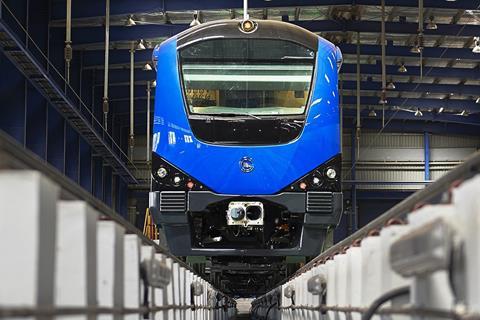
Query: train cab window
247, 77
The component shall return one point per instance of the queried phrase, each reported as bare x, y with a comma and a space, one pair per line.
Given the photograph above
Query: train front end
246, 144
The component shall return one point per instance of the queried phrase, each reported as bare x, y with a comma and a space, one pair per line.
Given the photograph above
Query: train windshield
252, 77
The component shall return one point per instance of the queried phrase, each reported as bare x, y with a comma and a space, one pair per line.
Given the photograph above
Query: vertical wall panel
107, 178
36, 122
72, 161
85, 166
98, 177
56, 140
12, 100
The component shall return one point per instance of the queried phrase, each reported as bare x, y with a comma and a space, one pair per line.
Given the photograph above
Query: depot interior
396, 140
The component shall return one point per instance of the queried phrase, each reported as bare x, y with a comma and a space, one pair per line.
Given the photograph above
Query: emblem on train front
246, 164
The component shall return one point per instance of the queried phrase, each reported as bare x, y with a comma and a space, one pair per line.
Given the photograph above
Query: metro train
246, 154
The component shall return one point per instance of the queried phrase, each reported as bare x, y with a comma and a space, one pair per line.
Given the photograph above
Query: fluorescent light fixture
441, 109
372, 113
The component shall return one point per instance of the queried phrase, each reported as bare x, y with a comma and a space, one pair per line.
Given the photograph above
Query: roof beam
86, 35
123, 74
96, 57
466, 90
92, 8
120, 94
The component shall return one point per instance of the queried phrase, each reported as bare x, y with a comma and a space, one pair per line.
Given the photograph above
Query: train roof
265, 29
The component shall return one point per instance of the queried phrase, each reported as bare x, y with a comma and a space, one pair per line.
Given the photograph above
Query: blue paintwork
216, 166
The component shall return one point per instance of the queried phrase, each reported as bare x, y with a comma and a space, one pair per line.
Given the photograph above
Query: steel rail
431, 192
14, 156
6, 312
410, 311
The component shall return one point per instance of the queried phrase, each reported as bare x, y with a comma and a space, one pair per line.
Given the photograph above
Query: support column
426, 150
354, 212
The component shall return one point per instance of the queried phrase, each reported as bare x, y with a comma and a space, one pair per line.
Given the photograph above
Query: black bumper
321, 210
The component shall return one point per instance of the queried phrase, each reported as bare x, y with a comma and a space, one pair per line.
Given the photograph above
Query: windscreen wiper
225, 114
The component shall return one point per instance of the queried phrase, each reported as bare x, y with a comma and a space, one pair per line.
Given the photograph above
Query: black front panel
266, 29
246, 131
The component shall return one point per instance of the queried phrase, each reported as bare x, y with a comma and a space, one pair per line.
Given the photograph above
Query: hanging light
478, 100
154, 83
441, 109
140, 45
464, 113
195, 21
147, 67
476, 48
416, 49
431, 25
418, 113
372, 113
402, 68
391, 85
383, 97
130, 22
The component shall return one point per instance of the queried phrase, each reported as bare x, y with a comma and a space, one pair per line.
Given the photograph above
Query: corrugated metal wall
396, 158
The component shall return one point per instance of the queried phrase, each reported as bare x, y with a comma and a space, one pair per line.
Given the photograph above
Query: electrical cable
268, 310
402, 291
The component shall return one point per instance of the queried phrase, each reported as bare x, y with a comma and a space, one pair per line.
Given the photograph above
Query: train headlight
316, 181
162, 172
248, 26
177, 180
331, 173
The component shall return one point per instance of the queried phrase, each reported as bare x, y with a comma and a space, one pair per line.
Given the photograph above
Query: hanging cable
68, 53
403, 291
358, 95
105, 104
383, 100
132, 93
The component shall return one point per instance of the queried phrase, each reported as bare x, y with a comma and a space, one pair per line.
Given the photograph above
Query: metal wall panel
442, 141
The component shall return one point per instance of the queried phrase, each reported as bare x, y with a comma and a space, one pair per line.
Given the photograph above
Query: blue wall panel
12, 100
108, 185
85, 165
98, 177
36, 122
56, 140
72, 159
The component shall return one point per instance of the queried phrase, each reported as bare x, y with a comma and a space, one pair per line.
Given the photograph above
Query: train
246, 148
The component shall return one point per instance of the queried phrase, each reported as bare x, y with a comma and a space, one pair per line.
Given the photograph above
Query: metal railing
26, 54
150, 278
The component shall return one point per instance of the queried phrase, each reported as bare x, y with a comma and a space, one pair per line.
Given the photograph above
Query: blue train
246, 145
